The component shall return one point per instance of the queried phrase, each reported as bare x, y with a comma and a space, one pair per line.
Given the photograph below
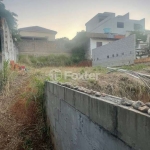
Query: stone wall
42, 47
82, 122
118, 53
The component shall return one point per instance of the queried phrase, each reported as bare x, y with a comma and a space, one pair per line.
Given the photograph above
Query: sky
68, 17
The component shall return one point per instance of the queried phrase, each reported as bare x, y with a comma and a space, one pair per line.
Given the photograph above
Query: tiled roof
37, 29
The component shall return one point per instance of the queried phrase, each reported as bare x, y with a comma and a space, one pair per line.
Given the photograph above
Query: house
117, 53
39, 41
100, 39
8, 50
37, 33
108, 22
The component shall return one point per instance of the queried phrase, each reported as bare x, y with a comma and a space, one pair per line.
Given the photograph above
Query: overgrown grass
43, 61
35, 93
6, 77
100, 69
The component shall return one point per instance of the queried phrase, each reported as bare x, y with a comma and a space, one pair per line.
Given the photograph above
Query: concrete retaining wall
82, 122
117, 53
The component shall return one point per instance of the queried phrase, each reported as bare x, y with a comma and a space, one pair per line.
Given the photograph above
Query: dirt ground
21, 124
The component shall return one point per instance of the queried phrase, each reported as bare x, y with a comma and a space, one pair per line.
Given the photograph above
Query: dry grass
9, 128
22, 125
117, 84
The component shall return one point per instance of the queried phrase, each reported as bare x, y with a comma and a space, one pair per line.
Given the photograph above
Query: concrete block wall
39, 47
82, 122
117, 53
9, 50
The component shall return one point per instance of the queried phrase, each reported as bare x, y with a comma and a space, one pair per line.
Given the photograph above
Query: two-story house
110, 23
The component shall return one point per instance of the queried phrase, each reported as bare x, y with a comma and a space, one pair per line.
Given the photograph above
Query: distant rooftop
37, 29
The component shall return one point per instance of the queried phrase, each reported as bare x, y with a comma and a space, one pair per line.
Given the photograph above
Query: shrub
42, 61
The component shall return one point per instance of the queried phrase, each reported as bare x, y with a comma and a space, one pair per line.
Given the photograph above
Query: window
120, 24
108, 56
117, 55
113, 55
122, 53
98, 44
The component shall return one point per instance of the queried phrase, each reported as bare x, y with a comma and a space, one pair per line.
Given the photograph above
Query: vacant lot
115, 83
22, 125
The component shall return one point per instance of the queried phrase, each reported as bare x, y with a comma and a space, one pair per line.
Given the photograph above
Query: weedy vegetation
7, 76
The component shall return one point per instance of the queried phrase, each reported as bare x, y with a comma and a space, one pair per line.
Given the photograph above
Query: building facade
100, 39
110, 23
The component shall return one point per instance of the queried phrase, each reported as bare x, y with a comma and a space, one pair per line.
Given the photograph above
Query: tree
140, 35
10, 19
79, 47
62, 39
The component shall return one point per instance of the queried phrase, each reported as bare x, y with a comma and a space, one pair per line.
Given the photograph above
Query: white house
117, 53
108, 22
100, 39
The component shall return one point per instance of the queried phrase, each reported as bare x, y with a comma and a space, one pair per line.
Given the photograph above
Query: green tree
140, 35
10, 19
79, 47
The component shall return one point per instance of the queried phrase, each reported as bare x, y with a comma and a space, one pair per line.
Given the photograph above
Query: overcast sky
67, 17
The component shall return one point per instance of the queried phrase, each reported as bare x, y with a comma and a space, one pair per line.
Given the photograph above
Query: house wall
124, 48
111, 22
94, 22
49, 36
94, 41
